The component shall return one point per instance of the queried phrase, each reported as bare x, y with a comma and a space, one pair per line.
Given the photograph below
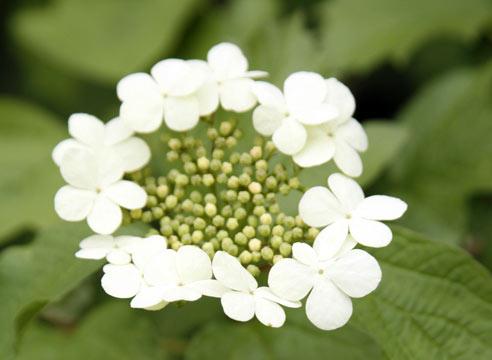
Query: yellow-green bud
312, 233
151, 201
174, 144
267, 253
232, 224
271, 183
222, 234
215, 242
275, 241
186, 239
288, 236
253, 270
245, 159
172, 156
218, 154
252, 221
231, 195
254, 187
183, 229
187, 205
226, 167
278, 230
171, 201
203, 163
245, 257
212, 133
254, 244
222, 178
244, 179
249, 231
233, 182
157, 213
166, 230
233, 250
201, 151
225, 128
210, 231
284, 189
256, 256
289, 222
230, 142
274, 209
208, 248
285, 249
240, 213
196, 180
208, 179
147, 217
266, 219
196, 196
240, 239
190, 168
256, 152
196, 237
218, 221
215, 165
294, 183
277, 258
136, 214
210, 209
297, 233
259, 210
162, 191
234, 158
198, 210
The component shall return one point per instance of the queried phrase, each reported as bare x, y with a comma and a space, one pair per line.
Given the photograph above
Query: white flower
331, 273
118, 250
179, 91
230, 70
345, 210
114, 137
240, 295
341, 142
127, 280
176, 275
95, 190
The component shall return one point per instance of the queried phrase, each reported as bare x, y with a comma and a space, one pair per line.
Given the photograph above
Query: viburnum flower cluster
210, 196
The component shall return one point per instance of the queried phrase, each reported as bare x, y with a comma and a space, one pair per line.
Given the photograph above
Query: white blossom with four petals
240, 295
331, 273
344, 209
96, 190
114, 138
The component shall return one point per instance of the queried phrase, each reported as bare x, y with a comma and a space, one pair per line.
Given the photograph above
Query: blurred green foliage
423, 69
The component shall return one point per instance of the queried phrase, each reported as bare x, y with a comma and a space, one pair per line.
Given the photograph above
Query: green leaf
238, 22
448, 157
254, 341
285, 47
385, 142
112, 331
102, 40
359, 34
434, 302
33, 275
29, 179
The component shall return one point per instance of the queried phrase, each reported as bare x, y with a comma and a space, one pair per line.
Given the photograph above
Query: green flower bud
203, 163
274, 209
254, 244
240, 213
289, 222
285, 249
166, 230
253, 270
226, 243
157, 213
312, 233
198, 210
240, 239
218, 221
249, 231
277, 258
210, 198
179, 192
252, 221
215, 165
258, 199
288, 236
175, 225
238, 134
208, 179
185, 157
271, 183
200, 152
233, 182
234, 158
244, 179
189, 220
183, 229
196, 180
209, 249
162, 191
215, 242
259, 210
187, 205
225, 128
278, 230
226, 211
232, 224
147, 217
264, 230
210, 230
190, 168
136, 214
244, 197
151, 201
176, 245
226, 167
294, 183
171, 201
196, 237
256, 256
254, 187
210, 210
212, 134
231, 196
196, 197
275, 241
222, 234
222, 178
284, 189
172, 156
218, 154
233, 250
267, 253
297, 233
174, 144
266, 219
245, 257
245, 159
189, 142
230, 142
186, 239
256, 152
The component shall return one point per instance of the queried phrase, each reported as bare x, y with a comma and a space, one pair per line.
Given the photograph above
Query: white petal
172, 293
72, 204
118, 257
238, 306
381, 207
347, 191
143, 114
237, 95
161, 268
347, 159
316, 114
348, 245
304, 253
127, 243
319, 148
266, 293
370, 233
147, 297
340, 96
267, 119
269, 95
98, 241
91, 254
62, 147
304, 89
290, 137
109, 167
86, 128
212, 288
176, 77
330, 240
353, 134
116, 130
136, 86
105, 217
290, 280
79, 167
158, 306
181, 114
145, 249
356, 273
193, 264
319, 207
134, 152
208, 98
229, 271
255, 74
127, 194
122, 281
327, 307
269, 313
227, 61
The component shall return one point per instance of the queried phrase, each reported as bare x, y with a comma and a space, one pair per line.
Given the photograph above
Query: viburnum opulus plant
215, 222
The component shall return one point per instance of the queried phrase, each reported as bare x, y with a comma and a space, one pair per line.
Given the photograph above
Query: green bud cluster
218, 198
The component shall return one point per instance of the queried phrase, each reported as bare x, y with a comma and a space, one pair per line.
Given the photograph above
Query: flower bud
203, 163
267, 253
174, 144
240, 239
285, 249
232, 224
253, 270
275, 241
244, 197
196, 236
208, 179
266, 219
254, 187
171, 201
277, 258
218, 221
210, 209
249, 231
254, 244
245, 257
